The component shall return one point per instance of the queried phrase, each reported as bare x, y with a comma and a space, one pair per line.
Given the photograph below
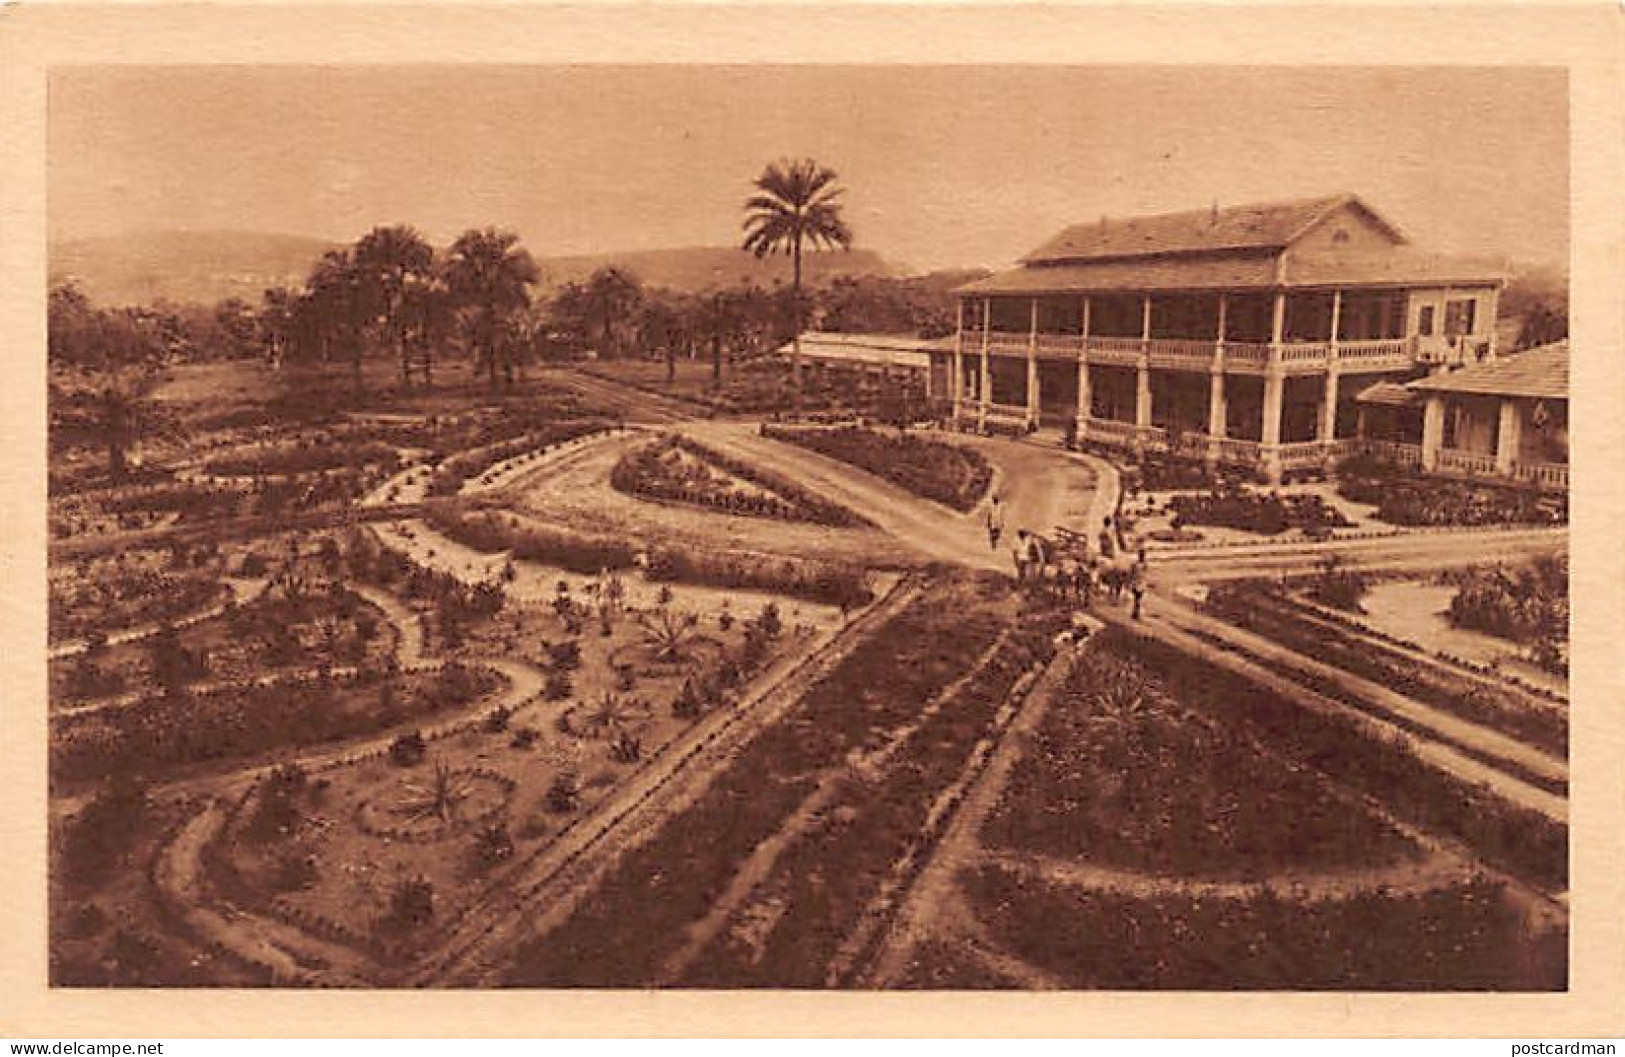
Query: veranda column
1274, 387
1084, 398
1142, 388
956, 379
1327, 431
1215, 390
1432, 432
1032, 369
984, 384
1509, 438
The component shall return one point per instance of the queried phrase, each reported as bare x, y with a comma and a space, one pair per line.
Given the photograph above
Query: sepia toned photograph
916, 528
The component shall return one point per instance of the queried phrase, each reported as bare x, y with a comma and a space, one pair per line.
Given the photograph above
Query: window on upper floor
1424, 322
1459, 317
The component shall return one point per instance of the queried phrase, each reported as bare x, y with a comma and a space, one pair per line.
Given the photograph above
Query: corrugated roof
1400, 266
1541, 373
1254, 271
1387, 394
1267, 225
1155, 273
877, 349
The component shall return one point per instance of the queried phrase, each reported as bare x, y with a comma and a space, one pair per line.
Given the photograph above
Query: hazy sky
943, 165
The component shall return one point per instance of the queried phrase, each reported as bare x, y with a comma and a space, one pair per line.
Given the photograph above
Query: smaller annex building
1506, 419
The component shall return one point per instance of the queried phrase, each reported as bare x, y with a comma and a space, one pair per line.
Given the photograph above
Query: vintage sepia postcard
1084, 519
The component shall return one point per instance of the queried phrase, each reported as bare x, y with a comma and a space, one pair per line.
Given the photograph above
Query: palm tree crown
489, 276
795, 206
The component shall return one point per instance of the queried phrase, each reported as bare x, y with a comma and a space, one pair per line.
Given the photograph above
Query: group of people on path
1071, 576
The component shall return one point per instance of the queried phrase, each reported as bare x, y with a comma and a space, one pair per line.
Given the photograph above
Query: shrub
558, 685
493, 844
564, 794
408, 750
1338, 587
411, 903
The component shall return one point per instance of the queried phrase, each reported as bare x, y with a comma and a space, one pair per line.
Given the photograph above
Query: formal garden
387, 852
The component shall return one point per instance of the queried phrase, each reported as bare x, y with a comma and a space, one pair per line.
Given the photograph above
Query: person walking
1018, 555
995, 523
1136, 584
1037, 557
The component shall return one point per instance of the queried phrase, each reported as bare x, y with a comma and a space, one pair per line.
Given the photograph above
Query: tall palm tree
614, 294
795, 207
332, 299
390, 262
490, 275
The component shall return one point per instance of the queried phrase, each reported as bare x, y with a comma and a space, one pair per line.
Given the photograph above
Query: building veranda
1242, 336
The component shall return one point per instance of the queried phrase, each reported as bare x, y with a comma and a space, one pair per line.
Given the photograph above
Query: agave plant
441, 797
670, 636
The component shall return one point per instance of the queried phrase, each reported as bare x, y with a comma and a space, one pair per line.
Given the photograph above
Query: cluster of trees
392, 293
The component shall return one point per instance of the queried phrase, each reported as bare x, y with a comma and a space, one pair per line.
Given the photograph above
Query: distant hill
184, 266
699, 268
209, 266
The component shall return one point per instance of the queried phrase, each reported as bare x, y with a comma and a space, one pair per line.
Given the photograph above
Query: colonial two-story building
1242, 335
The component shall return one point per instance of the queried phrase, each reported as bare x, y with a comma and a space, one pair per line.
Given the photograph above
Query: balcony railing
1468, 462
1239, 452
1296, 357
1246, 352
1378, 352
1182, 352
1005, 343
1299, 454
1544, 474
1394, 451
1060, 345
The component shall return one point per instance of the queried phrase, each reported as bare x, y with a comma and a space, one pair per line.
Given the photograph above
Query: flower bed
1466, 936
1121, 773
681, 470
870, 829
1527, 605
493, 533
1267, 514
311, 456
813, 581
1403, 499
106, 597
950, 474
1265, 611
165, 732
1521, 841
454, 470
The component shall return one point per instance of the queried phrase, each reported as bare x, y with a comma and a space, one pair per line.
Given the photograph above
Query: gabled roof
1541, 373
1263, 226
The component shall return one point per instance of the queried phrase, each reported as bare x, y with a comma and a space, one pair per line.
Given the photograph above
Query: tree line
392, 296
